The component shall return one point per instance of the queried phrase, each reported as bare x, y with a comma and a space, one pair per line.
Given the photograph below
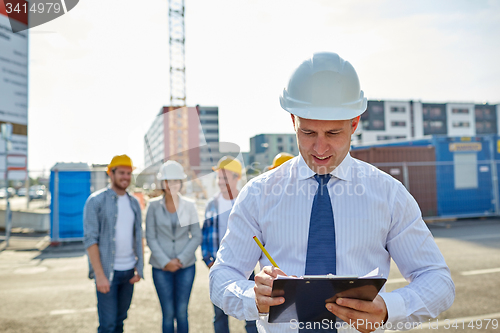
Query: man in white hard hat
215, 225
326, 212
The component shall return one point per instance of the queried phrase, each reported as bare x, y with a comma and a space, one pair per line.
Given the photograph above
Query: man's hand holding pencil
264, 286
264, 283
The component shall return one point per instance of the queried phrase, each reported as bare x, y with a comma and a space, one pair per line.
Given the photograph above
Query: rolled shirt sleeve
90, 223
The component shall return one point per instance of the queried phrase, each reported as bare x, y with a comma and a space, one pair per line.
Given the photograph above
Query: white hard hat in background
324, 87
171, 170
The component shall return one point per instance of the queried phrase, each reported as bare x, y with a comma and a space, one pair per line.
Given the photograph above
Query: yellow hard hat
280, 159
120, 160
230, 164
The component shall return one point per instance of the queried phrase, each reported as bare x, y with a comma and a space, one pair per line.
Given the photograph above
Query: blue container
73, 182
496, 153
464, 176
464, 173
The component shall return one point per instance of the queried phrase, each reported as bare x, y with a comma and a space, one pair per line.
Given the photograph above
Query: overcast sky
100, 74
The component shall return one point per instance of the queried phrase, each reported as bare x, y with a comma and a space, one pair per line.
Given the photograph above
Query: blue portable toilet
70, 185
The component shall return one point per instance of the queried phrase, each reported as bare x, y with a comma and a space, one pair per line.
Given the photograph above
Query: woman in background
173, 235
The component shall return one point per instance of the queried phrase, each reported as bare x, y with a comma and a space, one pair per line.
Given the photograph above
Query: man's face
121, 176
225, 178
324, 143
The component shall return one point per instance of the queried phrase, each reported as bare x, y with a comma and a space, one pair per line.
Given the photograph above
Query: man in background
215, 225
113, 239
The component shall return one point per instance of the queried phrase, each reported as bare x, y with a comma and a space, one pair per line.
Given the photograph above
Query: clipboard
305, 298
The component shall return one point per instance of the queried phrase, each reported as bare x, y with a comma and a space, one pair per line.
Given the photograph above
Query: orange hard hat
230, 164
120, 160
280, 159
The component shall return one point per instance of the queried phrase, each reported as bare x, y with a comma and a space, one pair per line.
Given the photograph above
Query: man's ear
355, 123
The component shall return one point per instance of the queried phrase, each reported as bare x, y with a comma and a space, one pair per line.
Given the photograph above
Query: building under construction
189, 135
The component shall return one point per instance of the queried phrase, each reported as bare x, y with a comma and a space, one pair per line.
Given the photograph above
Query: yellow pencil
265, 251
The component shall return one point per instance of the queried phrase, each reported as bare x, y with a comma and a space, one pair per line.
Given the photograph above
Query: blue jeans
112, 307
173, 291
221, 324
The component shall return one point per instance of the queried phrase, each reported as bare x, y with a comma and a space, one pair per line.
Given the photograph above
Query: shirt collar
113, 194
343, 171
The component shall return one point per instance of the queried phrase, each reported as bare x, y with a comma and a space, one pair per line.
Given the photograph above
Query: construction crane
179, 124
177, 55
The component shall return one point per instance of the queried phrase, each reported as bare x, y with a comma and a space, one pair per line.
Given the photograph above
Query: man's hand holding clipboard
354, 300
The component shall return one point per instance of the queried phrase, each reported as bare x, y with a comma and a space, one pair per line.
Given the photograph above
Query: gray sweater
163, 243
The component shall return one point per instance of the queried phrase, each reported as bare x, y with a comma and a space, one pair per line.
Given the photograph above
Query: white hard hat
324, 87
171, 170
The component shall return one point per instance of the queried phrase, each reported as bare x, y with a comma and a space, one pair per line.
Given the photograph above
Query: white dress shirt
375, 219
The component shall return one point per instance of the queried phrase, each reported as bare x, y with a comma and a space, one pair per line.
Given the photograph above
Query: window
436, 112
435, 124
377, 109
374, 117
209, 112
211, 131
280, 149
398, 123
465, 170
398, 109
433, 112
209, 121
460, 111
390, 137
280, 140
377, 124
461, 124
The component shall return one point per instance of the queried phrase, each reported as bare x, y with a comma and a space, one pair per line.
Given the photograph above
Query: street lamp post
6, 129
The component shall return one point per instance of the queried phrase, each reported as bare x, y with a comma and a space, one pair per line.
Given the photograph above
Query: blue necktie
321, 256
321, 253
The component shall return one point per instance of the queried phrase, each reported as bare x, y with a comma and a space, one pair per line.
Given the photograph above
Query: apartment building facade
264, 147
391, 120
